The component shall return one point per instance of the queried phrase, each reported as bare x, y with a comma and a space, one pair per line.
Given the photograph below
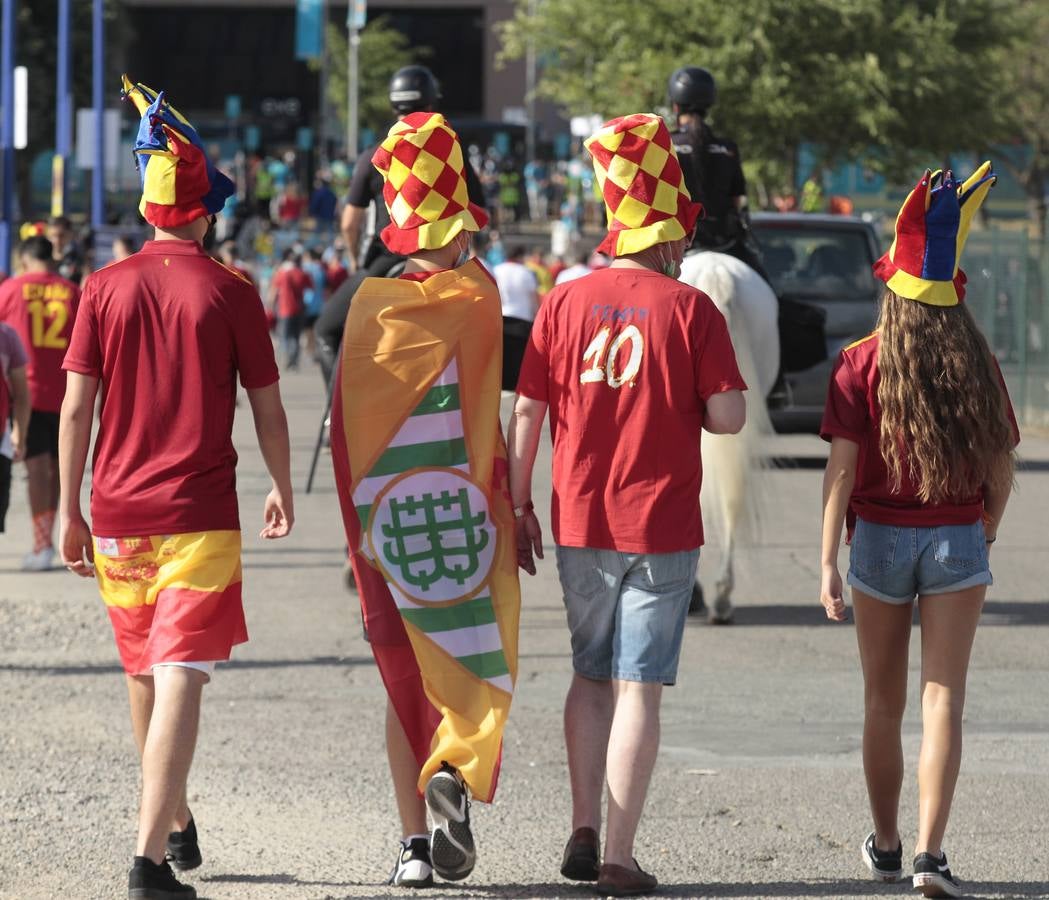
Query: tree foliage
905, 81
383, 50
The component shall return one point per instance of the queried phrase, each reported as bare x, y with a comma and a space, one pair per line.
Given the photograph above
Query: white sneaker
39, 560
452, 850
413, 868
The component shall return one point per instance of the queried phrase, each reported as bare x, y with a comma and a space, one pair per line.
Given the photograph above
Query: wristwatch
521, 511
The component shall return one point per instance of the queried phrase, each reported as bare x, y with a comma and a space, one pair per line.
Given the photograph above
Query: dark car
819, 261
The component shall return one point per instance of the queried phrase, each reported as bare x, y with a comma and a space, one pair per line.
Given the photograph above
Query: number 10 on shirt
602, 366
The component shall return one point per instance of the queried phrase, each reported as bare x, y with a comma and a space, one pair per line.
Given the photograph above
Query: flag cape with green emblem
420, 467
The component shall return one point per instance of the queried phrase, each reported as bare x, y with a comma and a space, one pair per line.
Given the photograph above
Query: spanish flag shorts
172, 598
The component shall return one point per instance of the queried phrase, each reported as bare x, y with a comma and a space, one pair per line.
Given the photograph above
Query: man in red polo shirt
166, 334
41, 306
632, 365
288, 297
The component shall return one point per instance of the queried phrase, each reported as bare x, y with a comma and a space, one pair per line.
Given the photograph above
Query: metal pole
63, 113
351, 91
530, 73
322, 87
7, 131
98, 174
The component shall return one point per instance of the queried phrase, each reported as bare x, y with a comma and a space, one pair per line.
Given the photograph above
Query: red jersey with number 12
41, 307
626, 360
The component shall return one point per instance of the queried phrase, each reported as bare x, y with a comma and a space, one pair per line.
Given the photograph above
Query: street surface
758, 791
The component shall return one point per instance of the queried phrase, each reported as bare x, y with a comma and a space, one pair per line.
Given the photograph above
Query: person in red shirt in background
290, 205
921, 459
14, 398
165, 334
632, 365
41, 306
287, 297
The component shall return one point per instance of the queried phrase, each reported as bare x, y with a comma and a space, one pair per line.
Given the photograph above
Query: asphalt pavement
758, 791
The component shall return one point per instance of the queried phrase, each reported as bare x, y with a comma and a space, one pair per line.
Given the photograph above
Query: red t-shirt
167, 331
291, 283
12, 356
626, 360
853, 412
42, 308
335, 276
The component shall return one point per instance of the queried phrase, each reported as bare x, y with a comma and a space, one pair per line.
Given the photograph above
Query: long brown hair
941, 399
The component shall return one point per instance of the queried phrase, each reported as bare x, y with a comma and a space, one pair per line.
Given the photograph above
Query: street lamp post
63, 113
98, 174
7, 130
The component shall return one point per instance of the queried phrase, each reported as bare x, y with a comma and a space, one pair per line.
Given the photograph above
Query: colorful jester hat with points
931, 229
179, 182
421, 163
640, 178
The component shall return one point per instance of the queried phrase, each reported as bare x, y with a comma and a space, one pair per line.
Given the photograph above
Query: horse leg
697, 606
722, 611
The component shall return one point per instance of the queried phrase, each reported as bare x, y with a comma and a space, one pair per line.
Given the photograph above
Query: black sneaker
149, 881
183, 851
452, 850
885, 865
932, 878
413, 867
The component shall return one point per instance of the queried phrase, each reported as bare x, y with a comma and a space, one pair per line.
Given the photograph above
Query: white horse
732, 463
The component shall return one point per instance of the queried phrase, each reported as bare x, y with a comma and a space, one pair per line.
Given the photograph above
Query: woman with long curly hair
921, 463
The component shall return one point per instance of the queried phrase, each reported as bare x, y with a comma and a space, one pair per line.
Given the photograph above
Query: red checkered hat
421, 162
641, 180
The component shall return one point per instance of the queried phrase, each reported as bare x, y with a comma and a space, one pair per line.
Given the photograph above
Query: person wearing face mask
420, 468
632, 365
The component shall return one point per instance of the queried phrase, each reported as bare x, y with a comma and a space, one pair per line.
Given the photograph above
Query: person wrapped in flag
163, 337
420, 466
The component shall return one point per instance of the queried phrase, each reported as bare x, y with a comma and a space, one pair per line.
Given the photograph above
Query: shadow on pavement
315, 661
995, 613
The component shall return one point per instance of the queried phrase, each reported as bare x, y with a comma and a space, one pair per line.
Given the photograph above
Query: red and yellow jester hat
179, 182
931, 229
421, 163
640, 178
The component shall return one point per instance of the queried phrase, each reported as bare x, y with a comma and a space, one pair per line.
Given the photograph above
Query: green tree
899, 77
383, 50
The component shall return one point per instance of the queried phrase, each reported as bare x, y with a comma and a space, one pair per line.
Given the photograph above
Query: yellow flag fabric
421, 472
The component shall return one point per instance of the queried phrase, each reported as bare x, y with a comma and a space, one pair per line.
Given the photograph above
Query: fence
1008, 276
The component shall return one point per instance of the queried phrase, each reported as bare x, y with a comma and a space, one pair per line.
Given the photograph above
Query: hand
74, 540
529, 541
831, 594
279, 514
18, 439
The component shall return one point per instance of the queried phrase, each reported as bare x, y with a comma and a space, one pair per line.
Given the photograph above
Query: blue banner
309, 29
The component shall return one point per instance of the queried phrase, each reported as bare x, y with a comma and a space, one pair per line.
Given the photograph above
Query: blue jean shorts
896, 563
626, 611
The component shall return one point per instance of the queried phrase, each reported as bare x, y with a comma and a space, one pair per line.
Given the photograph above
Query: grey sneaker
452, 849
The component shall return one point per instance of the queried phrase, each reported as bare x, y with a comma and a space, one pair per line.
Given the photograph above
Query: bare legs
405, 771
165, 713
948, 626
42, 481
612, 735
883, 632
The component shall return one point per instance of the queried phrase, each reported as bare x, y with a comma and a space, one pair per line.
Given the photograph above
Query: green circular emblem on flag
431, 534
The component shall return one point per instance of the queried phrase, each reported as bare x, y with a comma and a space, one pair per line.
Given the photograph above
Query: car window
826, 264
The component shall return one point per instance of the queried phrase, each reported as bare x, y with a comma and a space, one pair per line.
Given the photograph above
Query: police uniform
714, 176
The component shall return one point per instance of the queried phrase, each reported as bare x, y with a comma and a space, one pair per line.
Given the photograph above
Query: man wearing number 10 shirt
632, 365
41, 306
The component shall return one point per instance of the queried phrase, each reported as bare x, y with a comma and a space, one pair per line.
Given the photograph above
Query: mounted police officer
712, 169
412, 89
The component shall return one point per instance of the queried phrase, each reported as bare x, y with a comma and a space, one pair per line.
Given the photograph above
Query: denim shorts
626, 611
896, 563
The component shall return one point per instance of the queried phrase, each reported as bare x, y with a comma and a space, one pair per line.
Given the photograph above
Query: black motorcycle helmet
692, 89
413, 88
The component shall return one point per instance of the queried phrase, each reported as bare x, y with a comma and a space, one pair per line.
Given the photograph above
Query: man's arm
726, 413
74, 438
526, 424
271, 428
21, 405
351, 225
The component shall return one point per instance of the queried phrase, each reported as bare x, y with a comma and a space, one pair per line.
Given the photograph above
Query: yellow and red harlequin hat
931, 230
640, 178
179, 182
421, 163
